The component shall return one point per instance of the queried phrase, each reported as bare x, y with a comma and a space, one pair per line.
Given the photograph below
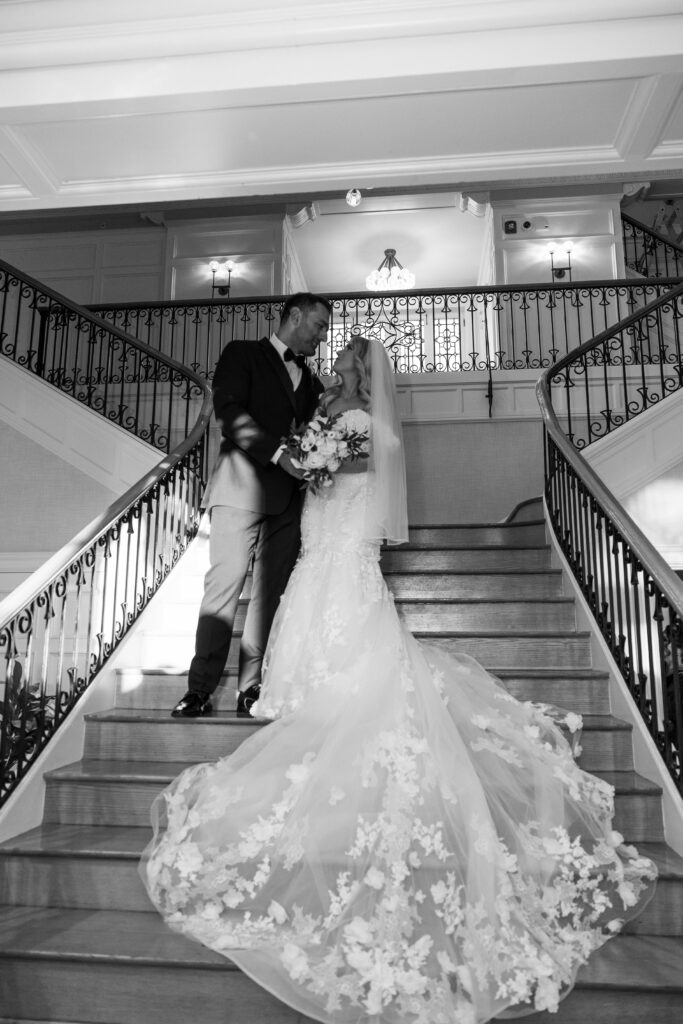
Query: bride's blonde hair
360, 347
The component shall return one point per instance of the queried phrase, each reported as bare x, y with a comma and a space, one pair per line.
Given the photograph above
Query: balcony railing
460, 330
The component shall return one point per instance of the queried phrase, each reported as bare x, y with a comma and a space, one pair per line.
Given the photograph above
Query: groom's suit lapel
278, 366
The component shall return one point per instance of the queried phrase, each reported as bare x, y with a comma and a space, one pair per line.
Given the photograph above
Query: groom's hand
285, 462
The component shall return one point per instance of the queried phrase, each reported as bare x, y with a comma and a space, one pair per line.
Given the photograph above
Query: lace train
405, 843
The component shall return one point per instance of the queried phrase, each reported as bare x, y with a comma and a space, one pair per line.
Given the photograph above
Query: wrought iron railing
460, 330
634, 595
621, 373
649, 253
141, 389
60, 626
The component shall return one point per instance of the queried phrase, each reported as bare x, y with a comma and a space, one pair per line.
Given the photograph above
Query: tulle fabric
386, 507
405, 843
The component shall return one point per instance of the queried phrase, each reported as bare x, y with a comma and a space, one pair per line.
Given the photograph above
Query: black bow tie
296, 358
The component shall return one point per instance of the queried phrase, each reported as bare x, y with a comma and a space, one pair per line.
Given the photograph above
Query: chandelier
390, 275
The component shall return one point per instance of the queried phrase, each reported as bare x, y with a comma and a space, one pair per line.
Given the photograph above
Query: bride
405, 843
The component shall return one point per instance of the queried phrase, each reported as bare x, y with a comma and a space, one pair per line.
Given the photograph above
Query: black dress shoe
192, 705
247, 698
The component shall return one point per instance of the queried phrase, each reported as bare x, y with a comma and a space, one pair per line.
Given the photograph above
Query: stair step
583, 690
155, 736
523, 534
145, 974
84, 866
523, 649
98, 792
530, 648
139, 735
465, 559
437, 584
454, 586
551, 615
474, 615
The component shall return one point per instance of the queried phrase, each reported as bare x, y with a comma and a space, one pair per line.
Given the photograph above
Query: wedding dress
405, 843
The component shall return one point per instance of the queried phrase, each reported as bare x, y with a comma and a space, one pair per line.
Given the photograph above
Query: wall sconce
221, 275
560, 272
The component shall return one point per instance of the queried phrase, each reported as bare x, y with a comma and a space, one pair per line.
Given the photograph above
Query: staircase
79, 940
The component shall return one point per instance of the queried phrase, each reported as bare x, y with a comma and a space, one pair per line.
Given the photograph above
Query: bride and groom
404, 843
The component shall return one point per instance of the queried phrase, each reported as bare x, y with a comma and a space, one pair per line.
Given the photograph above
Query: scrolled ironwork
649, 253
460, 330
60, 626
634, 596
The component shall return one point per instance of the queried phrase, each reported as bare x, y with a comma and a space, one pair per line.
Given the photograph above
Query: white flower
464, 977
445, 962
546, 996
298, 773
277, 912
439, 892
315, 460
374, 878
412, 982
628, 894
294, 961
359, 931
573, 721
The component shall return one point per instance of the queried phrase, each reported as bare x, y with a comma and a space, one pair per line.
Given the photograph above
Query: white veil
386, 516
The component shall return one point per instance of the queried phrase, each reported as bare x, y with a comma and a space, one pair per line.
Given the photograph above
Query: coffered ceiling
115, 103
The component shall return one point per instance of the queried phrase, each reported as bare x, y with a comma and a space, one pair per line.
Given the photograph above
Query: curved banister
655, 235
649, 252
59, 627
633, 593
38, 581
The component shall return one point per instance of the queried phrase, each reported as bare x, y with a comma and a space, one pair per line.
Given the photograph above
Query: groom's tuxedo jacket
256, 407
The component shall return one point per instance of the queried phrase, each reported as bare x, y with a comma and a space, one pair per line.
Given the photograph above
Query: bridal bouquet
326, 442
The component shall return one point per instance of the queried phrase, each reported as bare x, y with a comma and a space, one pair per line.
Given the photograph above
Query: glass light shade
390, 276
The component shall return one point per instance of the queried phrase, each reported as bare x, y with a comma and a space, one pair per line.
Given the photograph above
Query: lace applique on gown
405, 843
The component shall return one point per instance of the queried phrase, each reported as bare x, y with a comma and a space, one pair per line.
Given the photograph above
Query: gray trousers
236, 535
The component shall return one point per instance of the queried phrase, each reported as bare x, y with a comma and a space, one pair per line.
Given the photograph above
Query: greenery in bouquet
326, 442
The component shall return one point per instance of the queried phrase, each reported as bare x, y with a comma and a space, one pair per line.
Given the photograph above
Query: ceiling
156, 107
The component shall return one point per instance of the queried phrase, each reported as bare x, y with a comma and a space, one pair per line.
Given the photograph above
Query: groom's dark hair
303, 301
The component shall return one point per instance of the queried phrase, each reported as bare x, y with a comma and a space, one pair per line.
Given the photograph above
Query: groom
261, 389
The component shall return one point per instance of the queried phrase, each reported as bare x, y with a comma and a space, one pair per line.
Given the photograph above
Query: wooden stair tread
629, 782
95, 769
216, 718
552, 672
484, 600
650, 963
55, 840
507, 634
503, 673
91, 935
644, 962
540, 521
473, 572
163, 715
465, 546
